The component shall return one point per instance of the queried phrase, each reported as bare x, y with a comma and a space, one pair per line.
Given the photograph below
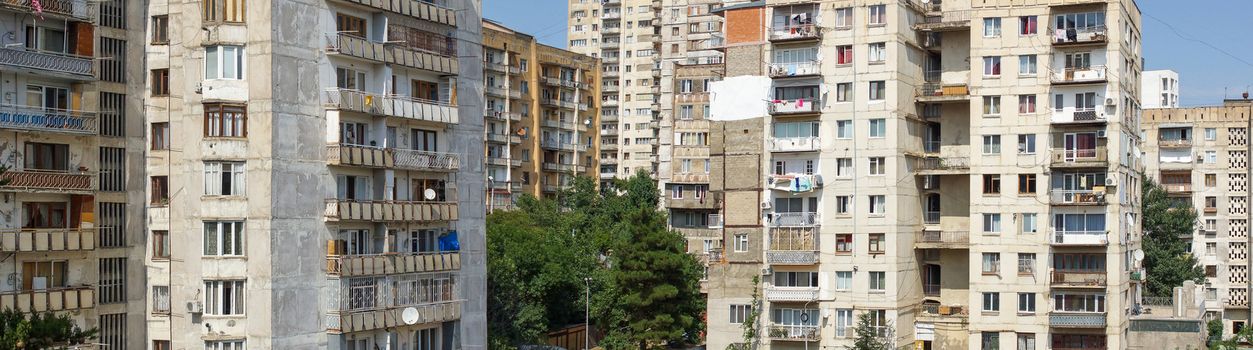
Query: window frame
238, 232
216, 11
219, 129
160, 30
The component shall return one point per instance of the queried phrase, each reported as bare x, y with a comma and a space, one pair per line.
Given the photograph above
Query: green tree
749, 326
1165, 254
40, 331
868, 334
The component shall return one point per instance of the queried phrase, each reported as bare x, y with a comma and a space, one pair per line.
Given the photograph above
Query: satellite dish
409, 316
1139, 255
429, 194
804, 317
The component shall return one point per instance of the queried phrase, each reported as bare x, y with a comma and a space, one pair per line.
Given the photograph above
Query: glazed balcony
391, 263
1077, 197
1072, 279
425, 10
49, 300
1079, 238
392, 158
792, 246
794, 144
1080, 157
351, 45
390, 105
47, 239
942, 239
391, 211
940, 93
798, 219
1076, 76
1060, 319
945, 21
33, 118
1072, 115
791, 294
47, 63
796, 107
1082, 36
800, 32
794, 333
389, 317
49, 181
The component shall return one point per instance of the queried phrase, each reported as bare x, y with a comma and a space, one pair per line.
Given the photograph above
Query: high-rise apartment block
542, 107
1201, 156
71, 212
966, 173
1160, 89
316, 172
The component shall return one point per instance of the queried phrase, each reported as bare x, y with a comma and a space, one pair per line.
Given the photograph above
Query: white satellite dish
1139, 255
409, 316
429, 194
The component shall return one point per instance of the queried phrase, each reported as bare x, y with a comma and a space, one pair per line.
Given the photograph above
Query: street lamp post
587, 307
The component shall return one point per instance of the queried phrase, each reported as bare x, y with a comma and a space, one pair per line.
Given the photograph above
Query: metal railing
794, 332
564, 146
69, 8
1092, 34
1061, 196
931, 289
780, 70
49, 61
931, 217
60, 181
425, 160
944, 163
1079, 74
372, 156
794, 32
38, 118
802, 219
391, 105
958, 237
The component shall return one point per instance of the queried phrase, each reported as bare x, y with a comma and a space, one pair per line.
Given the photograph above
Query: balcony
611, 15
793, 294
1077, 197
1079, 238
1071, 115
56, 64
939, 93
932, 312
798, 106
392, 211
389, 317
56, 299
502, 115
425, 10
557, 124
395, 158
552, 102
498, 91
945, 21
391, 263
794, 144
354, 46
794, 333
1174, 143
563, 167
1080, 158
942, 165
495, 160
1060, 319
690, 200
795, 32
792, 246
503, 138
563, 146
33, 118
496, 67
1076, 76
611, 30
1063, 278
1178, 187
390, 105
76, 9
566, 83
1079, 36
795, 183
47, 239
797, 219
49, 181
713, 43
942, 239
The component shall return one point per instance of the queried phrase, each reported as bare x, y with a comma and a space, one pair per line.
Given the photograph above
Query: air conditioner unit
195, 307
766, 205
1109, 101
1111, 181
1100, 134
767, 271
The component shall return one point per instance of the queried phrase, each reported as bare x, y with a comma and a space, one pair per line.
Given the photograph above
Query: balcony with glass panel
1078, 29
1077, 229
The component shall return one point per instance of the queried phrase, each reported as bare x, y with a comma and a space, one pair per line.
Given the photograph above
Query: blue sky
1204, 71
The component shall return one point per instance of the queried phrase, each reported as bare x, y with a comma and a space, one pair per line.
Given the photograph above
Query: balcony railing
937, 92
47, 239
1073, 75
794, 332
552, 102
931, 217
1177, 187
791, 293
1080, 157
937, 310
795, 183
792, 246
1174, 142
392, 263
943, 164
689, 178
391, 105
1079, 238
795, 144
795, 32
563, 167
396, 211
1088, 35
781, 70
930, 239
1060, 196
945, 21
558, 124
389, 317
794, 219
1076, 320
434, 11
1079, 278
1071, 115
49, 181
35, 118
496, 67
379, 157
424, 160
503, 138
352, 45
502, 115
60, 64
501, 161
797, 106
54, 299
563, 146
67, 8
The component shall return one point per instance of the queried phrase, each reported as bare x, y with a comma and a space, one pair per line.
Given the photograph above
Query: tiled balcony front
389, 317
47, 239
383, 210
54, 299
1076, 320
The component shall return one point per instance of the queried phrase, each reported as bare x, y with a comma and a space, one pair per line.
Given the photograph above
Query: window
1211, 180
878, 15
224, 178
991, 27
161, 299
1211, 203
878, 281
160, 136
1026, 265
741, 242
739, 313
844, 243
878, 128
843, 92
1026, 341
346, 78
991, 144
1027, 65
112, 288
224, 62
160, 244
991, 341
230, 11
160, 345
878, 90
844, 129
160, 190
877, 165
40, 275
1026, 104
1026, 183
224, 345
1029, 223
676, 192
844, 167
806, 279
1211, 134
1026, 144
991, 106
161, 82
992, 66
876, 243
843, 280
1028, 25
843, 322
1079, 302
991, 302
843, 205
224, 238
844, 17
992, 223
843, 54
225, 120
160, 30
1211, 157
878, 52
991, 263
991, 183
878, 204
46, 156
224, 297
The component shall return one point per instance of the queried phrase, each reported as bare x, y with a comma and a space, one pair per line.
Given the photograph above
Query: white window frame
991, 27
843, 129
214, 177
214, 297
741, 242
992, 66
878, 128
1028, 65
878, 204
215, 62
1026, 303
1030, 223
877, 15
992, 223
877, 52
234, 344
1026, 144
237, 232
991, 302
843, 280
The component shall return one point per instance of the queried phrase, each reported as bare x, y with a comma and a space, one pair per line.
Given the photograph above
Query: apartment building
72, 233
1201, 156
542, 107
316, 175
965, 173
1160, 89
